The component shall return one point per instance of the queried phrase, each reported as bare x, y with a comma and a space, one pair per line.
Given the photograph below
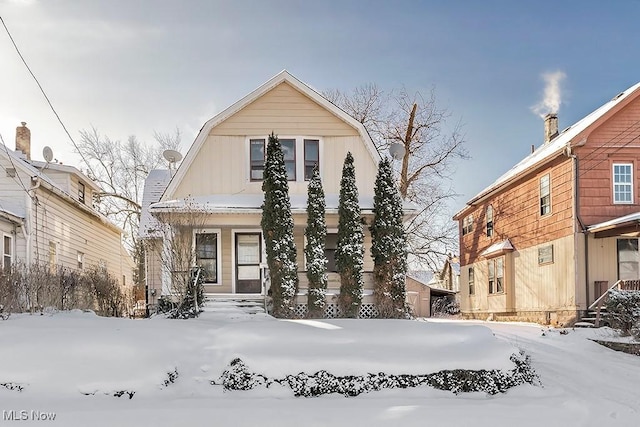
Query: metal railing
621, 285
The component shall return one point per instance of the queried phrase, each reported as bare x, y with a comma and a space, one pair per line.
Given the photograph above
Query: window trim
251, 161
304, 160
295, 158
218, 233
489, 218
467, 224
541, 204
630, 184
80, 264
6, 255
299, 147
81, 192
495, 281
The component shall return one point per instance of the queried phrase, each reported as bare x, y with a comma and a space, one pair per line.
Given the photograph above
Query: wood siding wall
222, 165
516, 213
615, 141
529, 286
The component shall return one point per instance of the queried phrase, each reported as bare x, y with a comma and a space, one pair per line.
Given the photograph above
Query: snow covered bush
277, 230
350, 246
316, 234
444, 306
389, 246
239, 377
623, 308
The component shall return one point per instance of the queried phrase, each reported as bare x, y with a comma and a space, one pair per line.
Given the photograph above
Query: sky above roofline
138, 67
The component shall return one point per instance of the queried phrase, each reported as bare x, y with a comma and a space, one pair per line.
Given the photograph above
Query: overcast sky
139, 66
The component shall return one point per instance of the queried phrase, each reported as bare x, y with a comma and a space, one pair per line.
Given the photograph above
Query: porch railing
621, 285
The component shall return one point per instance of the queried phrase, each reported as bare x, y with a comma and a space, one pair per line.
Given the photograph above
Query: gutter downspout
582, 228
31, 202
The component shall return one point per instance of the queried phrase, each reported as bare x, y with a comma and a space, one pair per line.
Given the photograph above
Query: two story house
215, 195
47, 216
549, 236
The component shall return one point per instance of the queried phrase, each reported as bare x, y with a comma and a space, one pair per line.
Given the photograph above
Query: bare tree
121, 168
431, 148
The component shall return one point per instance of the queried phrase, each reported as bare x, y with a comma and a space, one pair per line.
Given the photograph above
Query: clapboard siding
283, 110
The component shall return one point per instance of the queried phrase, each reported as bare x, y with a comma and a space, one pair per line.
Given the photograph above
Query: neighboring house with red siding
548, 237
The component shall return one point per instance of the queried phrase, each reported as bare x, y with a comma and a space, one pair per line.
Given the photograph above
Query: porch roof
251, 203
11, 217
498, 248
626, 224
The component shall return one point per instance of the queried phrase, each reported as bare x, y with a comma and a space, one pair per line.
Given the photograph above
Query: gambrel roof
282, 77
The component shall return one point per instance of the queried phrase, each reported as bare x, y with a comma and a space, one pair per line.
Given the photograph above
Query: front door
248, 250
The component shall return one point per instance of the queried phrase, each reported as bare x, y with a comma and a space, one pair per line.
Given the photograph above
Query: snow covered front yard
72, 364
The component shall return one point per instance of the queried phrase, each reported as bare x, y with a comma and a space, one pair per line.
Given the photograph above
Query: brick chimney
23, 140
550, 127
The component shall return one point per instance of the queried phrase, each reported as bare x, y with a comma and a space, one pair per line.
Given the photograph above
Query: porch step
250, 306
584, 324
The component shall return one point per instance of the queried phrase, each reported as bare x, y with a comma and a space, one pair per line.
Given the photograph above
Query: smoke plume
552, 94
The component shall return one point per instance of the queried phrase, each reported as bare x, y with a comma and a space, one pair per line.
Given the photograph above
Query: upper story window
311, 157
467, 225
80, 192
301, 155
472, 284
489, 221
496, 275
7, 253
256, 154
545, 195
622, 183
289, 151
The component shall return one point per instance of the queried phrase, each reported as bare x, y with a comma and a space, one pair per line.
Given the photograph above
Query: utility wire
45, 96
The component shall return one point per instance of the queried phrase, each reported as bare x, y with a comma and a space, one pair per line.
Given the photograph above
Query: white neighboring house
47, 216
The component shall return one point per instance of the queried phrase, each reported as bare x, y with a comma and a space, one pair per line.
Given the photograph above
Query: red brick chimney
23, 140
550, 127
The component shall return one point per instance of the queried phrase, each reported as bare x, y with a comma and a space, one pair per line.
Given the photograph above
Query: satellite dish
47, 153
172, 156
397, 150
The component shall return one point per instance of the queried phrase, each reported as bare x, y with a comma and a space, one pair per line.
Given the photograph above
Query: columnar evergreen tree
350, 248
389, 245
277, 229
316, 233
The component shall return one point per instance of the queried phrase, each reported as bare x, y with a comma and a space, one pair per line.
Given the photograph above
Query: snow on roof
555, 146
237, 203
502, 246
634, 217
154, 186
43, 166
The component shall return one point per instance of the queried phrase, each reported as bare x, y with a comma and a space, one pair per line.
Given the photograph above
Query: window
331, 244
622, 183
545, 195
80, 260
207, 255
472, 285
53, 256
7, 253
489, 221
467, 225
80, 192
496, 275
256, 149
545, 255
628, 259
289, 151
311, 157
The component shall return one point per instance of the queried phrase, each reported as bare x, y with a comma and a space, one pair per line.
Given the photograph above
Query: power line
45, 96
